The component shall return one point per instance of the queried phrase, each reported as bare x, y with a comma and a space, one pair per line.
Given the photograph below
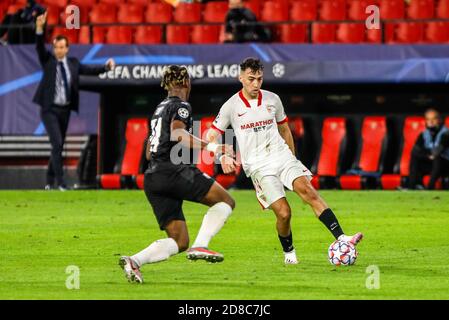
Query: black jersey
172, 108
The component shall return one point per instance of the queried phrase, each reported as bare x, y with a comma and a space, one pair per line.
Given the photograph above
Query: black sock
329, 219
287, 242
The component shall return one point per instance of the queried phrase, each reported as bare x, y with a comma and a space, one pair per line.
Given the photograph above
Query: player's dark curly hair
251, 63
175, 76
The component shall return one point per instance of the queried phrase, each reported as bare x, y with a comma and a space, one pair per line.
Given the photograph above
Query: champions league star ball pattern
342, 253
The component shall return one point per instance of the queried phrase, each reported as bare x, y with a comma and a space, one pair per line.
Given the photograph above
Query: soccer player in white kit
267, 155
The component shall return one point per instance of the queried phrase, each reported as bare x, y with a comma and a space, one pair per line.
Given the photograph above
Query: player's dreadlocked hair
251, 63
175, 76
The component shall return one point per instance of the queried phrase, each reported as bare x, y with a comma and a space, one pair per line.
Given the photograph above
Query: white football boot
132, 271
290, 257
204, 254
355, 239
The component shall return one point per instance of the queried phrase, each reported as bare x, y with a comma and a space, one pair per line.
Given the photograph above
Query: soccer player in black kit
167, 184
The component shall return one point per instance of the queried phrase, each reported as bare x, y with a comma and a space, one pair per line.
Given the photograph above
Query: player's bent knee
226, 198
284, 215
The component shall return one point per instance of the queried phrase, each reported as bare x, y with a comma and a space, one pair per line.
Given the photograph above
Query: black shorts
167, 185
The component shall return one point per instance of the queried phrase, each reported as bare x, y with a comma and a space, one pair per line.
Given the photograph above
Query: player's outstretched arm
180, 134
286, 134
228, 163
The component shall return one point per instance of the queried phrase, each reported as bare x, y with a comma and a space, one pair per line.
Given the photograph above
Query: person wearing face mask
430, 154
242, 26
26, 17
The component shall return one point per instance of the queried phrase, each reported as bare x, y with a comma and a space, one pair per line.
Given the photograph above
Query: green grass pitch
41, 233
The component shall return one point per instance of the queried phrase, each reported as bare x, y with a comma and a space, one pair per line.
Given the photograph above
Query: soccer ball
342, 253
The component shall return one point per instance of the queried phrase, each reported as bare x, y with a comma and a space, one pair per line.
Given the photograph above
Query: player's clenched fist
40, 22
228, 164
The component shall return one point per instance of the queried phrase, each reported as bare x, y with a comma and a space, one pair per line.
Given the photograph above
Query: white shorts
269, 181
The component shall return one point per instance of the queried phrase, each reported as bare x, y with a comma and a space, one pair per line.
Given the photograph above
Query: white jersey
255, 126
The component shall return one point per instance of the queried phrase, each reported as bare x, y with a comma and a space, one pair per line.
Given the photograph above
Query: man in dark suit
58, 95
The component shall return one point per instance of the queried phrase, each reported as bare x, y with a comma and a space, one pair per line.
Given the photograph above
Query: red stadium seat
139, 180
221, 35
293, 33
413, 126
227, 180
333, 135
205, 158
421, 9
3, 8
130, 13
332, 10
159, 12
409, 32
357, 9
203, 34
136, 133
390, 30
188, 13
111, 2
374, 36
306, 10
254, 6
447, 122
274, 11
99, 34
323, 32
333, 146
103, 13
215, 11
56, 3
119, 35
53, 14
6, 3
82, 3
148, 35
442, 10
437, 32
438, 184
143, 3
392, 9
177, 34
71, 34
371, 154
13, 8
351, 33
84, 35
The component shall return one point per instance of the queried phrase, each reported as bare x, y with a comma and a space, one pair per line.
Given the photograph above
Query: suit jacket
45, 92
